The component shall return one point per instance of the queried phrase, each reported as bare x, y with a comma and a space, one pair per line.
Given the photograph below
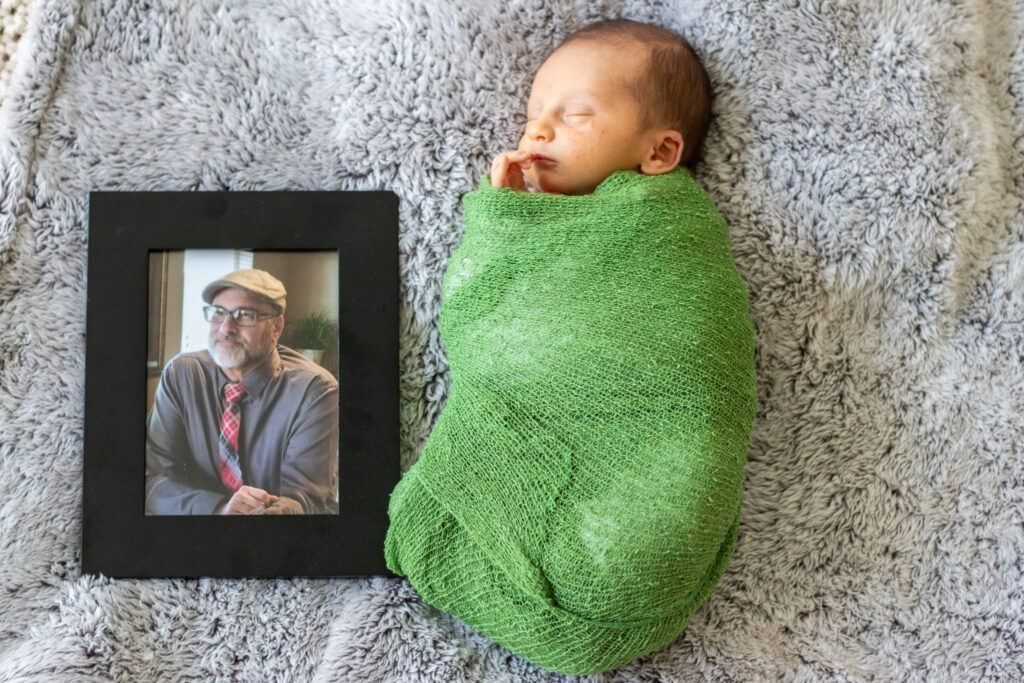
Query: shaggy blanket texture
867, 158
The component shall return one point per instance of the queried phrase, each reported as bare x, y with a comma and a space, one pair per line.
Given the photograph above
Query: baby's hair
675, 91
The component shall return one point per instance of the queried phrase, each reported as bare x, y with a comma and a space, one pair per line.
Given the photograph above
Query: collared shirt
287, 441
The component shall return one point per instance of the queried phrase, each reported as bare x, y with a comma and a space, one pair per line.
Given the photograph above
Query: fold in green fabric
579, 496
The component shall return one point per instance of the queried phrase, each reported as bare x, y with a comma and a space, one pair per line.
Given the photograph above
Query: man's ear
278, 327
664, 154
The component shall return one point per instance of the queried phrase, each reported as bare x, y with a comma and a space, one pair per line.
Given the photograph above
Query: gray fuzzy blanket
868, 159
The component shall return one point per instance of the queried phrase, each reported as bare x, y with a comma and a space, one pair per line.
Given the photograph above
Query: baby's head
614, 96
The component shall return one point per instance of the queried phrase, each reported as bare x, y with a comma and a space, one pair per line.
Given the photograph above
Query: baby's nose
538, 130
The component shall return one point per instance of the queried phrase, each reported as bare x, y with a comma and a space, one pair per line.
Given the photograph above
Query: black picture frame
118, 538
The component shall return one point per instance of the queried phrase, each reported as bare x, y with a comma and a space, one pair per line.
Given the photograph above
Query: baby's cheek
582, 146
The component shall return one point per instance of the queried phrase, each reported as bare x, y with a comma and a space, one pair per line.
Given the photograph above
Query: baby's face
583, 124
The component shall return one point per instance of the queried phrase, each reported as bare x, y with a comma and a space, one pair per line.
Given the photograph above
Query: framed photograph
241, 392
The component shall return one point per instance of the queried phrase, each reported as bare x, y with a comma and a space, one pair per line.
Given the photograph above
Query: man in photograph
247, 426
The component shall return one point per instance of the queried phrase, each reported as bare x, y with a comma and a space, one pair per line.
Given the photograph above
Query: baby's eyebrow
584, 97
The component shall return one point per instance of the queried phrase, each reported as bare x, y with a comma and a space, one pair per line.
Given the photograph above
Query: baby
579, 496
615, 95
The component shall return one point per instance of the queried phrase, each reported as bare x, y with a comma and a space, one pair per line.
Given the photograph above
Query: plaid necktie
230, 468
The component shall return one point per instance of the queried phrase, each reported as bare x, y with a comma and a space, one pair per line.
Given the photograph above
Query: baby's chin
547, 183
533, 182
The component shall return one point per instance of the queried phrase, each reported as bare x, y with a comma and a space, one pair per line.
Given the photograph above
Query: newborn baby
579, 497
614, 96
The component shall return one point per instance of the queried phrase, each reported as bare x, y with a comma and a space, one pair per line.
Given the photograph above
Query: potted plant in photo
312, 334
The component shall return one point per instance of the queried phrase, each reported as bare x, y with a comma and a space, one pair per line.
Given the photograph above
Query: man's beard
243, 354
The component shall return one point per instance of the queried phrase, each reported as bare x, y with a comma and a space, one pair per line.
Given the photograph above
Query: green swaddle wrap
579, 497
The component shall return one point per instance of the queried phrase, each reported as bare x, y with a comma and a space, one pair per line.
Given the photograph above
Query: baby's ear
664, 154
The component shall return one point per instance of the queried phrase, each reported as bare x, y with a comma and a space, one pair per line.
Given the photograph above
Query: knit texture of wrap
579, 497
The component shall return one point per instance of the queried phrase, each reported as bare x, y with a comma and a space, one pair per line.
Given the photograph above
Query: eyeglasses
245, 317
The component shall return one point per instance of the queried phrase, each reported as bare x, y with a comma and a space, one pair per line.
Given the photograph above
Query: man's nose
227, 323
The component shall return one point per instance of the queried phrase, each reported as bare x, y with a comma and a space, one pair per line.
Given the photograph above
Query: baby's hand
507, 170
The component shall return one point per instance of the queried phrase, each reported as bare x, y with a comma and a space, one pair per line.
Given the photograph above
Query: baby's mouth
541, 159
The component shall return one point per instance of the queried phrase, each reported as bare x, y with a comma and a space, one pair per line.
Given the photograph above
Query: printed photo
242, 391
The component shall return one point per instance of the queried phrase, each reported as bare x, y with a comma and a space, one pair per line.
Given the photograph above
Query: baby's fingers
499, 168
506, 170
